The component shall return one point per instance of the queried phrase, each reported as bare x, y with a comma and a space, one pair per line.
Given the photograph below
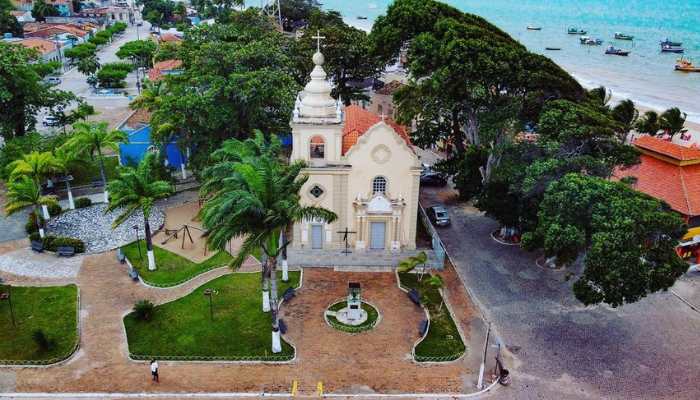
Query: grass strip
372, 314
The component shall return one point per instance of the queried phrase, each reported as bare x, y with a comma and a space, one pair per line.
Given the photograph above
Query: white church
360, 166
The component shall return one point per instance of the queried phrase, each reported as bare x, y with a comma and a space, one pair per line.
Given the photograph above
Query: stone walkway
376, 361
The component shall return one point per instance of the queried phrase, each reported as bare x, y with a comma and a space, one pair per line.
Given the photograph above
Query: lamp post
6, 296
136, 228
211, 306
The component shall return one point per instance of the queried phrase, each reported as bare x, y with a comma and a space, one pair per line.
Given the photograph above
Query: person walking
154, 369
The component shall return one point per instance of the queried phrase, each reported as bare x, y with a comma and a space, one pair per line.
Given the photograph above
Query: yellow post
320, 389
294, 388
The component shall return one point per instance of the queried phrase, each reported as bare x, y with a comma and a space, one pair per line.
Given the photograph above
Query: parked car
50, 120
432, 179
54, 80
438, 215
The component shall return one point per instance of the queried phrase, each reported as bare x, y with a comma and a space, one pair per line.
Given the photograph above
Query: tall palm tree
649, 123
151, 95
38, 167
437, 282
601, 94
134, 189
22, 193
673, 121
69, 160
92, 138
222, 174
626, 114
421, 258
88, 65
259, 210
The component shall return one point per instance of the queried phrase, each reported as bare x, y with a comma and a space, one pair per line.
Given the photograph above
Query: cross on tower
318, 38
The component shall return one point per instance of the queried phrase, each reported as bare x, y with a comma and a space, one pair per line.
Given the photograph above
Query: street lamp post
136, 228
6, 296
211, 306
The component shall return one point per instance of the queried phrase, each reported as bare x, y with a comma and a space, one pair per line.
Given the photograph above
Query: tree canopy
9, 24
141, 50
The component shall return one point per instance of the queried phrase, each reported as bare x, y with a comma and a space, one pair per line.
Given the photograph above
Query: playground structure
172, 233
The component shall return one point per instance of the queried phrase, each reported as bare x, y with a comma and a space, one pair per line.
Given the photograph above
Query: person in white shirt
154, 369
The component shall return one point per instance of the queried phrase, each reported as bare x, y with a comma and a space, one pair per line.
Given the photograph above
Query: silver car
438, 215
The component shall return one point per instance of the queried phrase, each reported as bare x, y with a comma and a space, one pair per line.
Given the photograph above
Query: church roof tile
359, 120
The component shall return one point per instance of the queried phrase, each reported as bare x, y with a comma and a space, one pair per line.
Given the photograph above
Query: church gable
358, 121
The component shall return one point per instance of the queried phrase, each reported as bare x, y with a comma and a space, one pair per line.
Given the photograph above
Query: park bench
423, 327
97, 182
413, 294
37, 246
283, 326
65, 251
121, 256
288, 294
134, 274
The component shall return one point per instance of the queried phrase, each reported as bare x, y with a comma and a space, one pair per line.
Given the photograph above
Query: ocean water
645, 76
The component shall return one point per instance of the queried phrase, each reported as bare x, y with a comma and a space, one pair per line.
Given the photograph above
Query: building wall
140, 142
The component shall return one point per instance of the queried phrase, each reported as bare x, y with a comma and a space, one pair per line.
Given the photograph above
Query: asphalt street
559, 349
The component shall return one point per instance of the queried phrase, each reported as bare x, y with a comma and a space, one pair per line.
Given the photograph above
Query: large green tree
22, 92
136, 189
42, 9
672, 121
140, 51
92, 138
9, 24
259, 210
6, 5
624, 239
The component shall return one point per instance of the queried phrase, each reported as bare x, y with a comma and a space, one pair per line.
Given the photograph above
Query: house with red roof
362, 166
671, 172
162, 68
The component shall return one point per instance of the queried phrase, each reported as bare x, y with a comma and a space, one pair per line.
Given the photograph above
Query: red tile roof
678, 185
390, 88
167, 65
359, 120
666, 148
18, 13
170, 37
44, 46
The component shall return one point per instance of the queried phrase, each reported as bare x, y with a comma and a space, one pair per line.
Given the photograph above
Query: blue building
139, 131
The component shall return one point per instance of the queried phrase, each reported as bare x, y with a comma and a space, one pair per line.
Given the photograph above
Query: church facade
360, 166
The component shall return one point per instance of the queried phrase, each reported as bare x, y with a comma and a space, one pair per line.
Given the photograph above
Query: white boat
372, 6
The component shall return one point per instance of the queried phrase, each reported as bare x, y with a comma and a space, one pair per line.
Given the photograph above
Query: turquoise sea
645, 76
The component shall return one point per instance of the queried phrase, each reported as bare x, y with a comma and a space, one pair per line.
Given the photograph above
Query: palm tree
626, 114
259, 210
92, 137
409, 265
672, 121
88, 65
69, 160
437, 282
648, 124
601, 94
42, 9
134, 189
23, 192
223, 174
38, 167
151, 95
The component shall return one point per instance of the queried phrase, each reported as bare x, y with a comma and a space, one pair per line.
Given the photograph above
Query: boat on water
534, 28
686, 66
361, 17
671, 49
591, 42
667, 42
622, 36
372, 6
552, 48
616, 52
575, 31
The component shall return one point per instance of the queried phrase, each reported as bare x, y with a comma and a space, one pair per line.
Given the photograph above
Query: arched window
379, 185
317, 147
153, 149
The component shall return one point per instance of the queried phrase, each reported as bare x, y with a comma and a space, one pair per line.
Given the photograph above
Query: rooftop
663, 147
359, 120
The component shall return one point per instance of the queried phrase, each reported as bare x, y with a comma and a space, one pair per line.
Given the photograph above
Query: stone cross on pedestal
318, 38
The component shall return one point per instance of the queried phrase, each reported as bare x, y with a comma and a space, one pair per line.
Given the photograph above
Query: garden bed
53, 309
372, 318
183, 329
442, 342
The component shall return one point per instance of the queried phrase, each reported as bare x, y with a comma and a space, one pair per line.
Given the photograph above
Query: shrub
165, 26
53, 242
104, 34
143, 310
31, 227
96, 40
54, 209
118, 66
82, 202
111, 78
182, 27
34, 236
45, 343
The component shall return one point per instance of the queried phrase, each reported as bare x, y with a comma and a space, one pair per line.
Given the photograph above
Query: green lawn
443, 338
372, 314
183, 328
53, 309
171, 269
85, 175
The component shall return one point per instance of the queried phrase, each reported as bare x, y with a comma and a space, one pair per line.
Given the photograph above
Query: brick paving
375, 361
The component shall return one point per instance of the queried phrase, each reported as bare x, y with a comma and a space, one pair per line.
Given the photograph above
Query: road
560, 349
